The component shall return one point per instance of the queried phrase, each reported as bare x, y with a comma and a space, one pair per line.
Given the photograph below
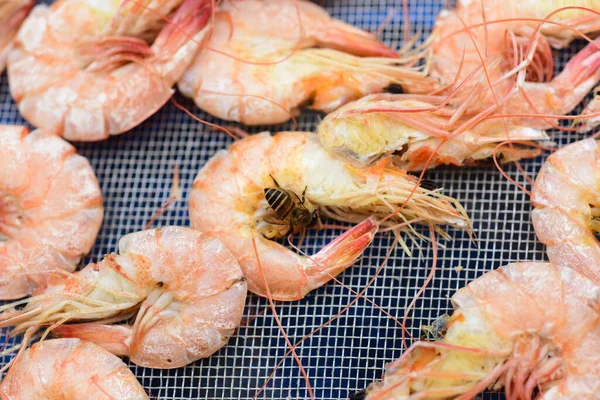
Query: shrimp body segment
88, 69
70, 369
186, 290
267, 58
385, 125
566, 197
50, 209
12, 14
227, 200
526, 326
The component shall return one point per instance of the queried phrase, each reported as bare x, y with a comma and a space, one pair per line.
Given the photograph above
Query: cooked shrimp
85, 69
499, 45
530, 327
50, 209
70, 369
12, 14
384, 125
186, 290
492, 22
262, 63
566, 197
227, 200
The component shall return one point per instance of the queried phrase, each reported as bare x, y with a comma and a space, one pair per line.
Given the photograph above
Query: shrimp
84, 68
383, 125
227, 200
70, 369
507, 47
565, 197
261, 63
12, 14
50, 209
184, 288
530, 327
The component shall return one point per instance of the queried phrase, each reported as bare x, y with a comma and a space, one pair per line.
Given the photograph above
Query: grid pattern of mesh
135, 172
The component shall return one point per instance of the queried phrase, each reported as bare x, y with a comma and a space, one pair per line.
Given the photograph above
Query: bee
291, 212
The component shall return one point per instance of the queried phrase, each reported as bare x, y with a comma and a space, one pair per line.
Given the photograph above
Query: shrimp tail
583, 70
191, 18
107, 53
343, 37
113, 338
342, 252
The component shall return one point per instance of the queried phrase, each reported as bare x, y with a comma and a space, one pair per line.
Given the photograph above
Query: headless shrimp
85, 70
262, 63
185, 289
384, 125
70, 369
566, 197
50, 209
12, 14
227, 200
526, 326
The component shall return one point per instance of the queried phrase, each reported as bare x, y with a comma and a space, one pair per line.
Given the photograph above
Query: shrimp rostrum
89, 69
70, 369
267, 58
528, 327
233, 199
12, 14
184, 288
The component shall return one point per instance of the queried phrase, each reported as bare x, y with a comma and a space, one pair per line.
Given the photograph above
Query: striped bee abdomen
280, 201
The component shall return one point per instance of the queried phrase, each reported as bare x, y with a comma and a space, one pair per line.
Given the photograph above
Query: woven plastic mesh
135, 171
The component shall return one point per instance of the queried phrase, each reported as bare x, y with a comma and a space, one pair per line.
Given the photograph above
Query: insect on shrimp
227, 200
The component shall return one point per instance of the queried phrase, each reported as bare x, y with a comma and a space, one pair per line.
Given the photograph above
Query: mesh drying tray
135, 172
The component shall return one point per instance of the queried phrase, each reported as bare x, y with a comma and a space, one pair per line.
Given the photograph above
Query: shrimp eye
160, 284
394, 88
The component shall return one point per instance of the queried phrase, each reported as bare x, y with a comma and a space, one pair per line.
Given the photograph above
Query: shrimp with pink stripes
50, 209
70, 369
88, 69
267, 58
229, 200
566, 201
532, 328
184, 288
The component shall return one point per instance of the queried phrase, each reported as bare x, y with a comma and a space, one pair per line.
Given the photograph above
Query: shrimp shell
227, 200
525, 326
565, 197
51, 209
83, 69
70, 369
186, 290
12, 14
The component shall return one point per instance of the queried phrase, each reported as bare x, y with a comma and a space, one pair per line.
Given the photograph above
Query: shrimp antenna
278, 321
174, 196
218, 127
336, 316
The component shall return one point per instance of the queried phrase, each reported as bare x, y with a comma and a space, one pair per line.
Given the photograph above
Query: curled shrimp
419, 133
228, 201
262, 63
184, 288
85, 69
486, 48
12, 14
50, 209
566, 197
530, 327
70, 369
